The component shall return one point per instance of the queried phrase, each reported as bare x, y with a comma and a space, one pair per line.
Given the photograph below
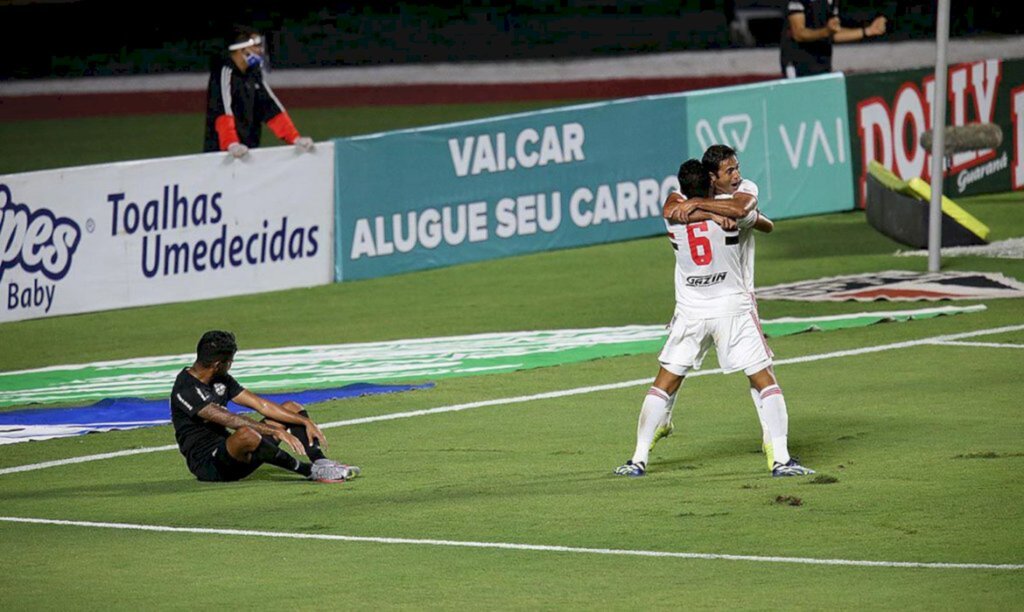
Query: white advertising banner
167, 230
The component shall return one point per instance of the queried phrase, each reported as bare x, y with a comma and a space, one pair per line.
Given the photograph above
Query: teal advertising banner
791, 138
581, 175
464, 192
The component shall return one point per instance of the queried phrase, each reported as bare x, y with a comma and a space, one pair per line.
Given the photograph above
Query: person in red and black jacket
239, 101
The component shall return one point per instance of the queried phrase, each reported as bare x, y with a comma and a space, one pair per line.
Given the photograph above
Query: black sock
312, 450
267, 452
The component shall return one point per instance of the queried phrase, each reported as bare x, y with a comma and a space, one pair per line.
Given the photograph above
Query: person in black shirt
810, 29
239, 101
202, 423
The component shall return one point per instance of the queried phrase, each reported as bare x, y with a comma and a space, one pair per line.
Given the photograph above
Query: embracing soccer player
710, 226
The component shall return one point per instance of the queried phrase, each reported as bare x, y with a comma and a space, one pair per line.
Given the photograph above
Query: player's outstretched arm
736, 206
725, 223
877, 27
276, 412
764, 224
676, 209
269, 409
804, 34
222, 416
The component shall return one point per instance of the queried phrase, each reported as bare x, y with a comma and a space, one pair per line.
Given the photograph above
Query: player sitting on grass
714, 255
201, 422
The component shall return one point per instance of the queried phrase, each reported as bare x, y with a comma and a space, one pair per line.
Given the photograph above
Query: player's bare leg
243, 443
247, 443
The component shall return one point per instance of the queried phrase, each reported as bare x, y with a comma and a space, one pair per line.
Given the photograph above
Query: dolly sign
890, 110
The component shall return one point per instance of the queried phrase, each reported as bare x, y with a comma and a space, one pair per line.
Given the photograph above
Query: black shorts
802, 68
219, 466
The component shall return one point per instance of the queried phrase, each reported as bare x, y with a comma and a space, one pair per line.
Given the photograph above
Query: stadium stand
77, 38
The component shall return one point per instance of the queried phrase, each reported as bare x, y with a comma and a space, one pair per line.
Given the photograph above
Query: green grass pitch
922, 449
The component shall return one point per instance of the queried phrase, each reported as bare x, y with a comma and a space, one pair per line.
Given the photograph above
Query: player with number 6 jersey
710, 226
712, 278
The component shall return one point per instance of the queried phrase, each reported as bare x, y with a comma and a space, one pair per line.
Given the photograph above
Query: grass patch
539, 472
988, 455
822, 479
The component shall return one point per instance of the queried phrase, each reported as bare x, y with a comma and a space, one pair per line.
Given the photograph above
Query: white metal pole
938, 137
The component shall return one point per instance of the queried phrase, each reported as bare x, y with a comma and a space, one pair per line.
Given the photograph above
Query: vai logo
814, 142
733, 130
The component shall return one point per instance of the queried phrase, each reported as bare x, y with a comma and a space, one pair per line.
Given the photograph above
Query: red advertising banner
888, 112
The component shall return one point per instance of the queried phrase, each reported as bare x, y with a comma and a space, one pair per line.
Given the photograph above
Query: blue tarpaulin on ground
131, 413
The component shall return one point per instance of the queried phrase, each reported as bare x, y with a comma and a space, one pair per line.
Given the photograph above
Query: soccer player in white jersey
714, 304
725, 187
726, 184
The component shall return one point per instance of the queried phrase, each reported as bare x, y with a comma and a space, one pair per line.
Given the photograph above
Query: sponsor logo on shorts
898, 286
706, 280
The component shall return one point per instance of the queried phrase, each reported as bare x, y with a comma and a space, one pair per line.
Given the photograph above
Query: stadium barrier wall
575, 176
889, 110
167, 230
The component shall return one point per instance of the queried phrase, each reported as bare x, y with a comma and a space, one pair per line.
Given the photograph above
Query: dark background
86, 37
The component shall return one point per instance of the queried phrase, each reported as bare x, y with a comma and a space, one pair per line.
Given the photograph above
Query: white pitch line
647, 381
983, 344
541, 396
85, 458
513, 546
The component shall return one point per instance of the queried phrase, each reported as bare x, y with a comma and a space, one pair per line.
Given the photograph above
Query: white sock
656, 406
773, 414
665, 420
766, 436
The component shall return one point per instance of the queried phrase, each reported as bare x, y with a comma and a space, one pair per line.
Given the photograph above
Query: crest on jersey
220, 388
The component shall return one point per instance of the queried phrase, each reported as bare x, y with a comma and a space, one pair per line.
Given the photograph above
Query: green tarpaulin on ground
398, 361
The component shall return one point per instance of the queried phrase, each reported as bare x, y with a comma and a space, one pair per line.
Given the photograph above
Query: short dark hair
216, 346
693, 181
714, 155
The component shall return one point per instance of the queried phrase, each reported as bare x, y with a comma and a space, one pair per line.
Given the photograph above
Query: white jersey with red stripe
714, 274
747, 237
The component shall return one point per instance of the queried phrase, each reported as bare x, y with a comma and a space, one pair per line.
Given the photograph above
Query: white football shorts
738, 340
